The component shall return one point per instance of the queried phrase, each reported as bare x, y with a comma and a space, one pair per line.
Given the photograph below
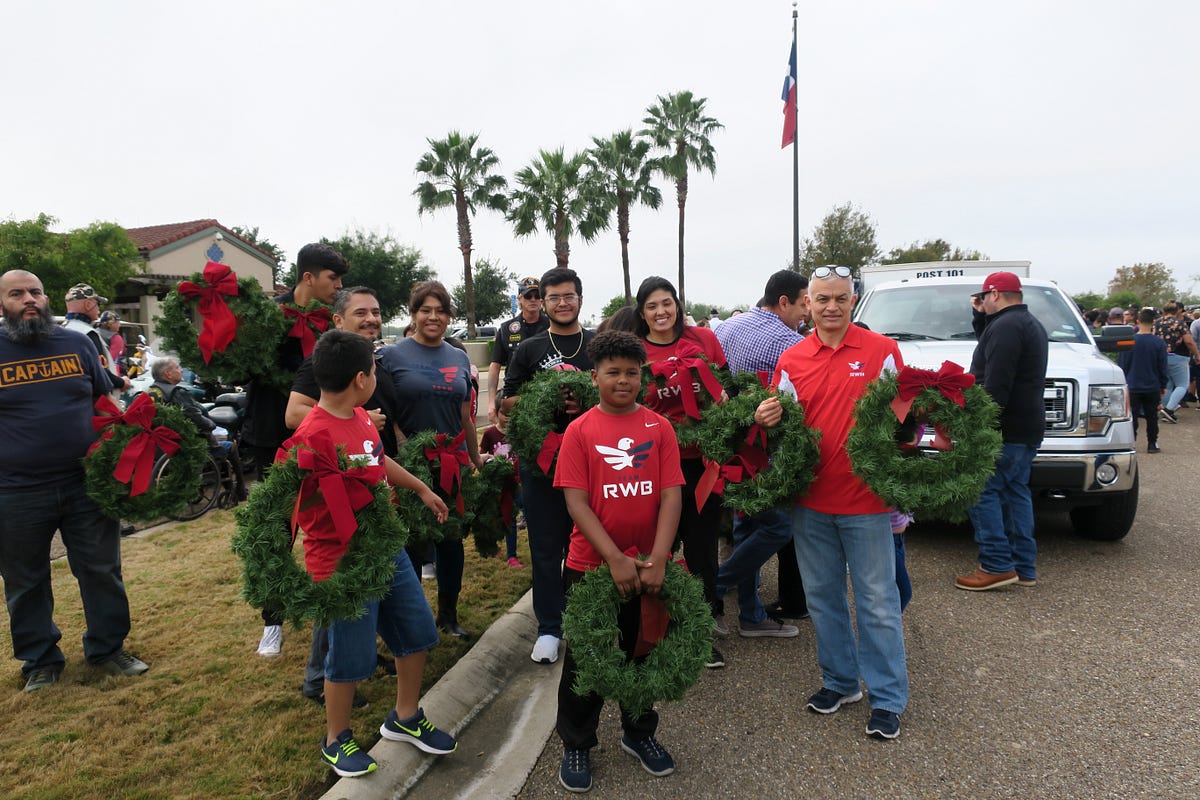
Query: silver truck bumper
1061, 475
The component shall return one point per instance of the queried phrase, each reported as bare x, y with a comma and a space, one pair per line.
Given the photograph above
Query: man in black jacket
1010, 363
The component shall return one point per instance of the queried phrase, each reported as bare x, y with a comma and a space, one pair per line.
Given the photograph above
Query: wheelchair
218, 482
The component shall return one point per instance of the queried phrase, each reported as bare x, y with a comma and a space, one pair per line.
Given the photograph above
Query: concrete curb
453, 702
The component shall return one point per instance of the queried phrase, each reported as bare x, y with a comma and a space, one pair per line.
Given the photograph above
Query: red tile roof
155, 236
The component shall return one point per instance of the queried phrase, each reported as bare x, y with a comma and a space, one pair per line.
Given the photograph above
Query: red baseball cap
1001, 282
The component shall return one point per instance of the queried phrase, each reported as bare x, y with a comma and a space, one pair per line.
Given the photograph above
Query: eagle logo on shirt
856, 365
625, 454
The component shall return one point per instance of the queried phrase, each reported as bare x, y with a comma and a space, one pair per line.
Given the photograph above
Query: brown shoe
980, 581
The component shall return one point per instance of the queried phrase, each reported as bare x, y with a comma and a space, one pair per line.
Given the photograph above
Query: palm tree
623, 171
460, 174
557, 194
678, 125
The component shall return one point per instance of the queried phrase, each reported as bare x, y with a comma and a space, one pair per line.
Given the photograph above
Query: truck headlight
1106, 405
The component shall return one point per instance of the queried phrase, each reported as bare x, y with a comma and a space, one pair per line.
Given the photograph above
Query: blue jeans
1003, 517
755, 540
826, 544
28, 520
401, 618
1178, 376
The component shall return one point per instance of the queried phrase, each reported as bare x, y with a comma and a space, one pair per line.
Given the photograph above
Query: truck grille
1059, 399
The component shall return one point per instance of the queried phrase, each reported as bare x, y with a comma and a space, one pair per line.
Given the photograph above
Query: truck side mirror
1115, 338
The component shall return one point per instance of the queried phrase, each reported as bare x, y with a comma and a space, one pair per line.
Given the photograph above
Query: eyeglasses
532, 295
821, 273
555, 299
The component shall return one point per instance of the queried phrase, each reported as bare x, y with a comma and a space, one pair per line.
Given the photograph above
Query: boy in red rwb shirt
343, 365
619, 470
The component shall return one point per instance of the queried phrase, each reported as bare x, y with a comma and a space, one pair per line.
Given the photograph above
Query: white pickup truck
1086, 463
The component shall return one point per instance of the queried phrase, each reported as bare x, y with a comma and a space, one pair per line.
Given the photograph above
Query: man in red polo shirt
840, 523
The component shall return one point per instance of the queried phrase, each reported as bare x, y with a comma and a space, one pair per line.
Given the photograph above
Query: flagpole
796, 159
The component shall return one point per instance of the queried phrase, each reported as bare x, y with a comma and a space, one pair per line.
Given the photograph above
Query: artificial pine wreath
259, 325
489, 495
538, 419
943, 485
668, 671
416, 516
273, 578
731, 443
684, 373
116, 498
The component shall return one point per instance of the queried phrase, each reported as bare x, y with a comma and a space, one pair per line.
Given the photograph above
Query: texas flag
789, 99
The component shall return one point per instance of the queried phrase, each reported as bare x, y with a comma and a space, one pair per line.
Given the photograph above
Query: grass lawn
211, 718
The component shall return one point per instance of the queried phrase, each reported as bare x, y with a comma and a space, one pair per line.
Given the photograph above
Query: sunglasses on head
824, 272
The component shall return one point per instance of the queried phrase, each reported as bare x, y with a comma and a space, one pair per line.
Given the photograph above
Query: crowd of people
799, 337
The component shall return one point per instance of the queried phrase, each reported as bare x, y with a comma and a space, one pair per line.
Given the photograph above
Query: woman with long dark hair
433, 391
660, 324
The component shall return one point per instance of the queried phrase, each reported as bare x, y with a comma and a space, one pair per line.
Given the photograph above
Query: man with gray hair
49, 379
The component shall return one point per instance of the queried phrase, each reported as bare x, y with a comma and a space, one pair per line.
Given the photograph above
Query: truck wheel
1110, 520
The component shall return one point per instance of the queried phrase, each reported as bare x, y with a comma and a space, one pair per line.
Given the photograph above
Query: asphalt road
1084, 686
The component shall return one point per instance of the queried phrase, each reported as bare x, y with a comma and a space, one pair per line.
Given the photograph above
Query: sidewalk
492, 693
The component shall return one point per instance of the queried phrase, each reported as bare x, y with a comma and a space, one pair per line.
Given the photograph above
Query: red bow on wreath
677, 371
344, 492
950, 381
306, 322
653, 620
743, 466
219, 323
136, 463
450, 457
549, 450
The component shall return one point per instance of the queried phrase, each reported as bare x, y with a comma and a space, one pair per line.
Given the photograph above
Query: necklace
560, 352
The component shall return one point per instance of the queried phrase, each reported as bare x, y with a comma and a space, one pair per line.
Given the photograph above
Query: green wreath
421, 523
164, 496
722, 434
668, 671
484, 493
540, 414
250, 355
941, 485
275, 374
274, 578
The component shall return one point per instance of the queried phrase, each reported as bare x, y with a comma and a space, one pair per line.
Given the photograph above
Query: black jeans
699, 531
578, 717
549, 528
28, 520
1145, 404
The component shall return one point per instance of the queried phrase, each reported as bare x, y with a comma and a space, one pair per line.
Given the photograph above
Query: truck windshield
944, 312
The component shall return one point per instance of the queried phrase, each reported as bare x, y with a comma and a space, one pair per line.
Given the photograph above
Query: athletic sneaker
545, 649
428, 572
121, 663
271, 641
514, 562
575, 772
716, 659
883, 724
653, 756
770, 626
42, 678
1168, 415
828, 701
720, 628
418, 731
346, 758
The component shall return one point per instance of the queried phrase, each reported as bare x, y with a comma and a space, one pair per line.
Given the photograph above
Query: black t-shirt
542, 352
384, 399
512, 333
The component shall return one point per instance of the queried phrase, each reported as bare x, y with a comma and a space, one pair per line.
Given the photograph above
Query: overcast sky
1060, 131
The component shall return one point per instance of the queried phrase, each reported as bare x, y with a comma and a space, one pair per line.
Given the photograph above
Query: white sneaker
272, 640
545, 649
428, 572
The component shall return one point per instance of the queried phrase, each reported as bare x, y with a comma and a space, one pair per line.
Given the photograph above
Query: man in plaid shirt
753, 342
